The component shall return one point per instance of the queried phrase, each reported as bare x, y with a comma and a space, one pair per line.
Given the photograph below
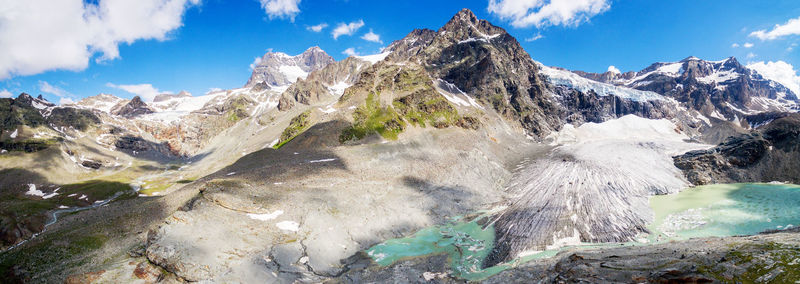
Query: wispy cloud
317, 28
540, 13
255, 63
5, 94
791, 27
350, 52
534, 38
735, 45
281, 8
373, 37
347, 29
65, 97
747, 45
146, 91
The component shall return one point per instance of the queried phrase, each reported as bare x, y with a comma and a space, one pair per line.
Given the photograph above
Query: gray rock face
770, 153
321, 83
280, 69
580, 107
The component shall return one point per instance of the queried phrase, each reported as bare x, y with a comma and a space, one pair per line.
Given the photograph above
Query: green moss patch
298, 125
373, 118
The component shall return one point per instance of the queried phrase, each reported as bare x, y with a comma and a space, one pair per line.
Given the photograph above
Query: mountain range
291, 177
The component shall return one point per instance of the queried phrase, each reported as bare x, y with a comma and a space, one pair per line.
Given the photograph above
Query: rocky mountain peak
280, 69
465, 26
24, 98
134, 107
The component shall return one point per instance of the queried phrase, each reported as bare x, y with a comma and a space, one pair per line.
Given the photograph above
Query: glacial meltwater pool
725, 210
704, 211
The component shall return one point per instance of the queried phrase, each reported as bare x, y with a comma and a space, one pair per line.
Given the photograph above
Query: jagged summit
134, 107
278, 69
465, 26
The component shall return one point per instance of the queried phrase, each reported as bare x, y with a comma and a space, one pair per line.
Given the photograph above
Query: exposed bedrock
771, 153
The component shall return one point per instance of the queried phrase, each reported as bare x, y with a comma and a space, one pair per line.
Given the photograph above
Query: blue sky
198, 45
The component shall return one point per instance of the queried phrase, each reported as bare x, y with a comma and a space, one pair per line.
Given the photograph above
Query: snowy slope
572, 80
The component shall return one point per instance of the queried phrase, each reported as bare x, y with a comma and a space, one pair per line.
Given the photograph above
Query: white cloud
751, 55
735, 45
541, 13
66, 101
281, 8
45, 87
5, 94
317, 28
65, 96
146, 91
350, 52
347, 29
534, 38
42, 35
747, 45
373, 37
255, 63
791, 47
792, 27
780, 72
613, 69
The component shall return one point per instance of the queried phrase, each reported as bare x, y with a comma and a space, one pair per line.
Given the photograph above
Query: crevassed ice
572, 80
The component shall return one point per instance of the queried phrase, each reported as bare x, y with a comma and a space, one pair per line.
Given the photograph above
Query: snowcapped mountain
278, 69
722, 89
101, 102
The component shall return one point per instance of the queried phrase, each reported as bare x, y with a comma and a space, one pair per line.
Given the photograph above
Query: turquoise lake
704, 211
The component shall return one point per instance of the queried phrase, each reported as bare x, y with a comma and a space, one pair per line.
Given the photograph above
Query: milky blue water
704, 211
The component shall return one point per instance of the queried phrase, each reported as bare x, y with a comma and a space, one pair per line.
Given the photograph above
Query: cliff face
770, 153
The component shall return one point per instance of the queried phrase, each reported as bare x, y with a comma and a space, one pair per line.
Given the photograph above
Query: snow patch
265, 217
374, 58
321, 161
293, 72
14, 134
453, 94
33, 191
288, 226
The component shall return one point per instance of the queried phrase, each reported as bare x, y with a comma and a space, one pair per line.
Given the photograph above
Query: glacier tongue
591, 186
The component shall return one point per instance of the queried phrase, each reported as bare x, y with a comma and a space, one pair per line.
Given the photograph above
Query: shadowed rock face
771, 153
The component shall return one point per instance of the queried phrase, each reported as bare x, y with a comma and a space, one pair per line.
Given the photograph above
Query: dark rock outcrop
20, 111
135, 107
66, 117
771, 153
